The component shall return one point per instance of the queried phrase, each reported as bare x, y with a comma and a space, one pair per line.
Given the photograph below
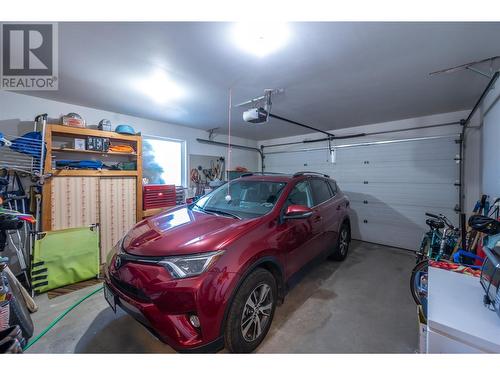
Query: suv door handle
317, 219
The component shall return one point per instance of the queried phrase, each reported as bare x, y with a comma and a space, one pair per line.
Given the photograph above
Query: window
333, 186
321, 191
301, 194
163, 161
244, 199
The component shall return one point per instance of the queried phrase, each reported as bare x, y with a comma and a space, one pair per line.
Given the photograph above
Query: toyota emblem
118, 262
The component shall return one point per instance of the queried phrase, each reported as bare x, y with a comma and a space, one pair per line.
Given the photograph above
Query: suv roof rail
246, 174
309, 172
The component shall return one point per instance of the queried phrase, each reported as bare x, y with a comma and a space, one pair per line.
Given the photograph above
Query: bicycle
12, 222
437, 244
14, 203
19, 313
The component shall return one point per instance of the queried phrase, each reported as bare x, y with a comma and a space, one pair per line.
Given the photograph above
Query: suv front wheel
251, 312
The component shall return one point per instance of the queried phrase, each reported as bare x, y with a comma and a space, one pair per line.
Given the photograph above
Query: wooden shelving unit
54, 130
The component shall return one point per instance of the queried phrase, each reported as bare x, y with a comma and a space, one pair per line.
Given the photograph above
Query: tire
241, 323
418, 289
19, 313
342, 245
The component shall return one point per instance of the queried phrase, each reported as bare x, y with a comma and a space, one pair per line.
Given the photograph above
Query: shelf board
93, 152
86, 132
90, 172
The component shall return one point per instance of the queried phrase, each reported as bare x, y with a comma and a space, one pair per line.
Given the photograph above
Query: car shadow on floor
118, 333
308, 283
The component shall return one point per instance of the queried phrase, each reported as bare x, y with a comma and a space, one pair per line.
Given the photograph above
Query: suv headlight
190, 265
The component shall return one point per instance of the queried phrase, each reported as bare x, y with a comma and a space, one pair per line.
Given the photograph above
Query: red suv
209, 274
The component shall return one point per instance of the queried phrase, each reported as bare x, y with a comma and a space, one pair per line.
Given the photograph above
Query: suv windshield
242, 199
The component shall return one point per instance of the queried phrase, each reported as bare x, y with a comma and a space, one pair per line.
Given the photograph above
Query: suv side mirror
297, 211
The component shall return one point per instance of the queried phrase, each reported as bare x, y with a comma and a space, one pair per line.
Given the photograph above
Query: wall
490, 171
472, 177
204, 161
18, 111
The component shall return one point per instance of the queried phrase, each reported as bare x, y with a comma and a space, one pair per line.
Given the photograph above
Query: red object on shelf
158, 196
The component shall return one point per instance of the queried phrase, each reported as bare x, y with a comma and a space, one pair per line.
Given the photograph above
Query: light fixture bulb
260, 38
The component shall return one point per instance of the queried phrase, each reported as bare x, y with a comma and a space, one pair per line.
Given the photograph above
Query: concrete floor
362, 305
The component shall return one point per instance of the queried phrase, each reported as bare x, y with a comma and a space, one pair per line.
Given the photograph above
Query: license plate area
110, 297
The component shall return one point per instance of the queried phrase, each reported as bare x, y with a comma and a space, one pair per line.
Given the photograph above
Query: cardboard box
422, 331
79, 144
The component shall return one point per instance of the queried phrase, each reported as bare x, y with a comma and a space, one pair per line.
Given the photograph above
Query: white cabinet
438, 343
458, 322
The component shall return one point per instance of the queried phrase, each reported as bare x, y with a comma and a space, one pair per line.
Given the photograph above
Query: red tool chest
157, 196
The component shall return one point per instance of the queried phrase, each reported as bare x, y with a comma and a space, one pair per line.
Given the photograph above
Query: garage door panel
410, 152
294, 162
404, 225
428, 195
400, 215
372, 232
431, 149
430, 171
441, 172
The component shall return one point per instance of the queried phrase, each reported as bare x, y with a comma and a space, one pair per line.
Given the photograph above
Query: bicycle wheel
418, 282
19, 313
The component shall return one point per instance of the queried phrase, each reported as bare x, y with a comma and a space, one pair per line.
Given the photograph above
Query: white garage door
390, 185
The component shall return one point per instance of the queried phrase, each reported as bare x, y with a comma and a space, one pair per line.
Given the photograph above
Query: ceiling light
160, 88
260, 38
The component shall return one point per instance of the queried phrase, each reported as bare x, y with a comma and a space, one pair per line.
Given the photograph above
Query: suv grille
129, 290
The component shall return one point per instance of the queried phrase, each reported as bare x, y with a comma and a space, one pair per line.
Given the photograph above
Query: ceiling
335, 75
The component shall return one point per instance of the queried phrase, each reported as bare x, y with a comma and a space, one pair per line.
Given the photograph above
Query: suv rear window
321, 191
333, 185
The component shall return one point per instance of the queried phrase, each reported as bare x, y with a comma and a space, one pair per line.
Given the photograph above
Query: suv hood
182, 231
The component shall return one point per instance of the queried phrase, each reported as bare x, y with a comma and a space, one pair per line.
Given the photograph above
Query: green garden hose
60, 317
